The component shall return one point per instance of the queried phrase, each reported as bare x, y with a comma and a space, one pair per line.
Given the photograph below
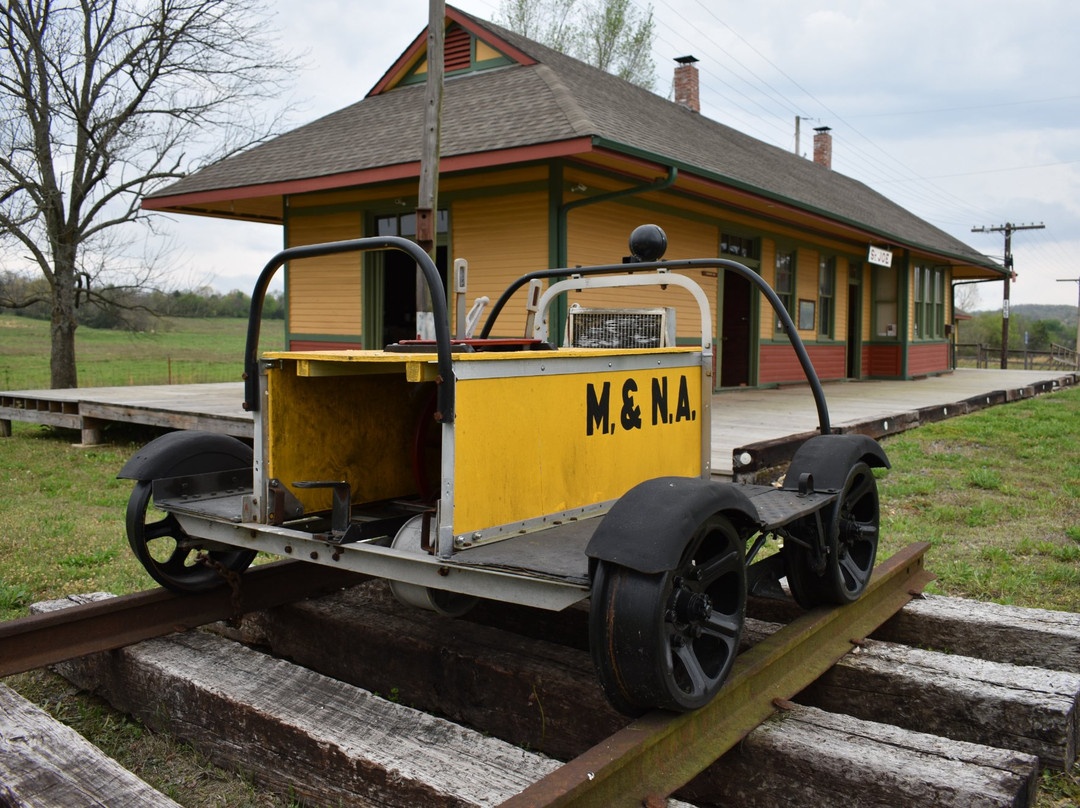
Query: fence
981, 355
126, 374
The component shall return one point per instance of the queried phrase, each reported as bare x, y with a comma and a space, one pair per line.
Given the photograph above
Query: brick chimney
823, 146
686, 84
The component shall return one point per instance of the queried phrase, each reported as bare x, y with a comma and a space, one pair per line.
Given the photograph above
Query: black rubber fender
829, 458
648, 527
175, 454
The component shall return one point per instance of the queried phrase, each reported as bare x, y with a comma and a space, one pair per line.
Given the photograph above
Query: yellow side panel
600, 235
535, 445
358, 429
325, 294
502, 238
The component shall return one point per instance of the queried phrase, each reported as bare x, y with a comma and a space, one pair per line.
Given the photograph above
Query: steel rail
27, 643
662, 751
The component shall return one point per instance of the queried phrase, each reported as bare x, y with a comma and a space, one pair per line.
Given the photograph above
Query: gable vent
457, 49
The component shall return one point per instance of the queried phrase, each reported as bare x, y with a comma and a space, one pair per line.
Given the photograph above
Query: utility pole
1008, 229
427, 205
1076, 353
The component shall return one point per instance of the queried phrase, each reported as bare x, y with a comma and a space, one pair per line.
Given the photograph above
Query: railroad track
44, 639
181, 684
630, 767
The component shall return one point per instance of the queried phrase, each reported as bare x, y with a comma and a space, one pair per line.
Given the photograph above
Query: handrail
693, 263
445, 378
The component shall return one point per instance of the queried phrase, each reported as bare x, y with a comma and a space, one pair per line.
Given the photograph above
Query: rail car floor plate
557, 552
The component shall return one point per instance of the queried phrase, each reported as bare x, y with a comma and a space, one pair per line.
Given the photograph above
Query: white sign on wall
880, 256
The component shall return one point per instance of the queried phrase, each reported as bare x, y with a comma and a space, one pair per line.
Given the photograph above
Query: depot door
735, 331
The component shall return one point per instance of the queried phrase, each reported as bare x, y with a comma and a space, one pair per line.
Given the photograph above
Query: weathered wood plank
1022, 636
328, 741
808, 757
1006, 706
46, 764
473, 673
303, 733
527, 691
297, 730
1013, 634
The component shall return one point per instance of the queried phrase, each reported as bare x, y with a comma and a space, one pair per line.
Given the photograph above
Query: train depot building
547, 162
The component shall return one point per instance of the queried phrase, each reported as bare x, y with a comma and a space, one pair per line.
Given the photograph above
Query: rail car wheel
165, 550
669, 639
452, 604
851, 539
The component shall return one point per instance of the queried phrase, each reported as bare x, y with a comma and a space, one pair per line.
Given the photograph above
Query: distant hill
1040, 311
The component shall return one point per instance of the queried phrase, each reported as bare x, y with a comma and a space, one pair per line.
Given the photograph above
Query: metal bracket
283, 505
340, 509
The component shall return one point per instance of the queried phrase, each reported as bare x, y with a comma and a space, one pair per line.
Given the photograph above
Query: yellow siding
768, 272
600, 235
806, 288
325, 294
867, 303
502, 238
907, 273
841, 303
484, 51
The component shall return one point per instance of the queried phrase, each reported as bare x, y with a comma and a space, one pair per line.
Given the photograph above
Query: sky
965, 112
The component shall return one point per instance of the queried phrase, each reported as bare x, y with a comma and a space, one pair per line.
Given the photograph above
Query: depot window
785, 281
885, 300
404, 224
826, 295
929, 294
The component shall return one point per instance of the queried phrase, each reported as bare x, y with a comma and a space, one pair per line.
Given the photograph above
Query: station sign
880, 256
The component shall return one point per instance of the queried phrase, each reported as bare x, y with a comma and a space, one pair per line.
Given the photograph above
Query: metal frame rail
661, 752
27, 643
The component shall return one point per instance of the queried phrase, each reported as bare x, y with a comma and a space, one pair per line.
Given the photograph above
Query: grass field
996, 493
178, 351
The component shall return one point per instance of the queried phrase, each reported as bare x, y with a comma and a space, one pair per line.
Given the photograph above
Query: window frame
826, 316
787, 297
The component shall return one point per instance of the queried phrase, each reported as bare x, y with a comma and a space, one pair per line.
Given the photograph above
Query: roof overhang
243, 202
265, 202
775, 208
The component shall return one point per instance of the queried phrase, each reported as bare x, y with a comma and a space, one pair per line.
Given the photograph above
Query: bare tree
610, 34
103, 101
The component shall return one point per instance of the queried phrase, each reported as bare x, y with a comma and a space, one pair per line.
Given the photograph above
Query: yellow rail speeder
521, 472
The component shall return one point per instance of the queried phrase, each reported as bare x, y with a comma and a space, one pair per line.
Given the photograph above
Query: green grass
178, 351
996, 493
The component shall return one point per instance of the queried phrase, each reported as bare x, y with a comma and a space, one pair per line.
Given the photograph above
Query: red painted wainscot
780, 364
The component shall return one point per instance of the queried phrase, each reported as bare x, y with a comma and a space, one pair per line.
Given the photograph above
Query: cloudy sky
967, 113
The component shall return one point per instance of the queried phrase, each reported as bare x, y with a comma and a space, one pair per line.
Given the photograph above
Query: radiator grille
617, 328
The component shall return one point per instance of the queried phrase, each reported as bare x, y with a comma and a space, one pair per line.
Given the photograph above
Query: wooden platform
208, 407
766, 425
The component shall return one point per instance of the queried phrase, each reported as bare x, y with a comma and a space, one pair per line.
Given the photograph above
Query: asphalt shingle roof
560, 98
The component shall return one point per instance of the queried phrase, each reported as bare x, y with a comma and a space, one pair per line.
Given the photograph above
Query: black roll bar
693, 263
445, 379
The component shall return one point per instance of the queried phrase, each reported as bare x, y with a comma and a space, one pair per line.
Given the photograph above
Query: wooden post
428, 199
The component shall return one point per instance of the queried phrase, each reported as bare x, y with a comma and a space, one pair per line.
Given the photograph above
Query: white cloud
969, 88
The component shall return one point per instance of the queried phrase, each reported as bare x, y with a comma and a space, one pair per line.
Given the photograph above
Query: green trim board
350, 338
